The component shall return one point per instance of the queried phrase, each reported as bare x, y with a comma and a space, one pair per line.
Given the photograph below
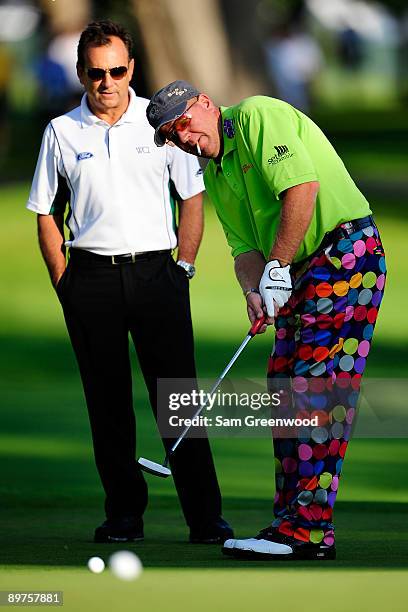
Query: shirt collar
131, 114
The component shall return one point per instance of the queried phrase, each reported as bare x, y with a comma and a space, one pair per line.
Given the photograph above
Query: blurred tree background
344, 62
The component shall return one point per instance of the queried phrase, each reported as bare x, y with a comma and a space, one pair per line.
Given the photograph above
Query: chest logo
143, 149
229, 129
247, 167
84, 155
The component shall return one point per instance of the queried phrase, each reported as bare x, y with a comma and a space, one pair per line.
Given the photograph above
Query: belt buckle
348, 226
117, 263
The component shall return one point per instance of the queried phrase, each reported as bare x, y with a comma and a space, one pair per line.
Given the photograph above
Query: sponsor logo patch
282, 152
228, 127
84, 155
199, 172
143, 149
247, 167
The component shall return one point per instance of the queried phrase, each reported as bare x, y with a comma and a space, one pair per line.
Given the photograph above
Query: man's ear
131, 68
205, 101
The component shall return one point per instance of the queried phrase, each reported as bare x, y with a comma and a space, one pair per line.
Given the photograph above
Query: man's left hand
256, 311
275, 286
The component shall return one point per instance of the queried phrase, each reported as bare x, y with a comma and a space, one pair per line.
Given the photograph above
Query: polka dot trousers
323, 338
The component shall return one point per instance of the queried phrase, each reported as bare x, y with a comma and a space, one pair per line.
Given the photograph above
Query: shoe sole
318, 555
114, 540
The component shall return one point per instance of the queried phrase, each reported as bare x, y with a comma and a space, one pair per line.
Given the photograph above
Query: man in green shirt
307, 254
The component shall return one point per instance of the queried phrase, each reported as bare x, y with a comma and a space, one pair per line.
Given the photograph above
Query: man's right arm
51, 240
48, 198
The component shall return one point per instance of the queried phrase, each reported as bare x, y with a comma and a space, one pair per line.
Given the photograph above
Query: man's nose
107, 80
183, 136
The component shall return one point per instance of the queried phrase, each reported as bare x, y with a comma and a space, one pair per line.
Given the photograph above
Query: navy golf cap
167, 104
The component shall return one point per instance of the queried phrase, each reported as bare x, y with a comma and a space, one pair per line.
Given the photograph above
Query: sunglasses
98, 74
180, 124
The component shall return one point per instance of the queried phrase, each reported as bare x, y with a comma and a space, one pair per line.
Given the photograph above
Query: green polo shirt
269, 146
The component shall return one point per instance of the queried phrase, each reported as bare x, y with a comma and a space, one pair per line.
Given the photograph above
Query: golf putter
163, 470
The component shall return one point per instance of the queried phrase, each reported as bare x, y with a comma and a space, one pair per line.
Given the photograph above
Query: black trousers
102, 303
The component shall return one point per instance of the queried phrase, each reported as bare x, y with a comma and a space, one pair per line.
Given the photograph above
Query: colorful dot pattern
323, 338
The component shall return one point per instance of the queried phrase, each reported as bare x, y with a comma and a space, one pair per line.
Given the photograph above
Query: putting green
201, 591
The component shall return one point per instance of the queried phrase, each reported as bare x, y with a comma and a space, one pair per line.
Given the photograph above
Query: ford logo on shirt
84, 155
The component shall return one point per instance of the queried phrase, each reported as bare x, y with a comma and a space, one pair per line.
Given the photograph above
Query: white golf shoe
253, 545
272, 545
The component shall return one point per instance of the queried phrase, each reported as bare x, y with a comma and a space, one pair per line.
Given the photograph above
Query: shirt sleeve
185, 172
278, 152
49, 190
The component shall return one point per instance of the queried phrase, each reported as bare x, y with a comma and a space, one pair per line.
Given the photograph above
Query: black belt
114, 260
344, 230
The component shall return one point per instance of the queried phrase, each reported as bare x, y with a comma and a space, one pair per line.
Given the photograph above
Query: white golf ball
96, 565
125, 565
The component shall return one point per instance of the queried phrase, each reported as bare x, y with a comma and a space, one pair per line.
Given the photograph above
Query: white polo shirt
115, 180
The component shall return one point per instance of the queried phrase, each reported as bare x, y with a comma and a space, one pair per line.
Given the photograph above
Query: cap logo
176, 92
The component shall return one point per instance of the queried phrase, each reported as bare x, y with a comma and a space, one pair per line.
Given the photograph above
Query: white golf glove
275, 286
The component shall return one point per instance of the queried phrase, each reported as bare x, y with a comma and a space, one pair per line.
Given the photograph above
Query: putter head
157, 469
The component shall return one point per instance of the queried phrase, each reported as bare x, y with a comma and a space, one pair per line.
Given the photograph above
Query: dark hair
98, 33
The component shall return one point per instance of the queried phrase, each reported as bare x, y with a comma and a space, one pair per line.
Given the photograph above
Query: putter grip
256, 326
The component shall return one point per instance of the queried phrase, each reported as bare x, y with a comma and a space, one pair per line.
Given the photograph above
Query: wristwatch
187, 267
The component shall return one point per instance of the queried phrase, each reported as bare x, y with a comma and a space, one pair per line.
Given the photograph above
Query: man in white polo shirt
101, 159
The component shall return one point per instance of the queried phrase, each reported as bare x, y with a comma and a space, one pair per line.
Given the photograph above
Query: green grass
51, 498
238, 589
